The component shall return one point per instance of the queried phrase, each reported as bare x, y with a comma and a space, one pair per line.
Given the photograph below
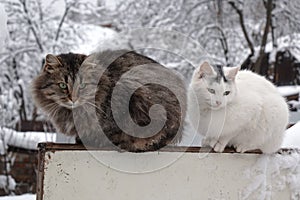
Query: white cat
236, 108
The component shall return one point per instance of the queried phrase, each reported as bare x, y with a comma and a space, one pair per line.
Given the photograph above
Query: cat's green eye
82, 85
226, 93
62, 86
212, 91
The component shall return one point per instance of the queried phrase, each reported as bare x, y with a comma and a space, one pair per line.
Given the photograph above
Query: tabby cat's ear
232, 72
83, 57
52, 63
205, 69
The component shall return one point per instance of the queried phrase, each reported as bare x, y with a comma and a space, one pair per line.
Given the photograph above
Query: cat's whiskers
50, 106
53, 111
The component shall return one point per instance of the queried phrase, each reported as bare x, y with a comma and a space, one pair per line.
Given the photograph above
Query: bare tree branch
242, 24
223, 40
274, 42
67, 8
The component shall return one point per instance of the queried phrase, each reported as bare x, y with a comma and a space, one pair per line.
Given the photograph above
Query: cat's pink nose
74, 99
218, 103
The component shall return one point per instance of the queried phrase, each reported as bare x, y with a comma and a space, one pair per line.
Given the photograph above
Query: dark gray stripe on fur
220, 73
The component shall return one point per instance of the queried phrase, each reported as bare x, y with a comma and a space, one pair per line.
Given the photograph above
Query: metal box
71, 172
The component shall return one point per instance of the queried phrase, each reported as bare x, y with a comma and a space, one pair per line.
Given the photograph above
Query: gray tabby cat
112, 98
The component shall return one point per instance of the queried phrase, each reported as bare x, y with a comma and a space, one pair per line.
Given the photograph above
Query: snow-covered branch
31, 25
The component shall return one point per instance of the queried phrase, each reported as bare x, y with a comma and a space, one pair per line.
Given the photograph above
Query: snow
3, 27
288, 90
21, 197
290, 42
11, 182
275, 172
292, 137
96, 37
59, 5
294, 104
285, 42
27, 140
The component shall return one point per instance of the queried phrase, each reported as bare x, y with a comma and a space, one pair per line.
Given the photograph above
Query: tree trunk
262, 53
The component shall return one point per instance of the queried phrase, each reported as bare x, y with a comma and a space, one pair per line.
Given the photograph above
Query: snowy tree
34, 30
164, 30
193, 30
6, 181
269, 21
228, 31
179, 34
3, 25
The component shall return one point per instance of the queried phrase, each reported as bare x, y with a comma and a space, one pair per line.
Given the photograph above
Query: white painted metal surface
109, 175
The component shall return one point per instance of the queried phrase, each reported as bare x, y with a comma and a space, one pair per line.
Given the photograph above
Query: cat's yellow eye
212, 91
62, 86
226, 93
82, 85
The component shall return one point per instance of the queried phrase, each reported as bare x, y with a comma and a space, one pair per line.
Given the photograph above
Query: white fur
252, 116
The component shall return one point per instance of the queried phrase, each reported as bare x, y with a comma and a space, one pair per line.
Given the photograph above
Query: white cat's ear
52, 63
205, 69
232, 72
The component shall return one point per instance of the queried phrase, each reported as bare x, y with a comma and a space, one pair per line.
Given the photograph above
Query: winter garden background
261, 35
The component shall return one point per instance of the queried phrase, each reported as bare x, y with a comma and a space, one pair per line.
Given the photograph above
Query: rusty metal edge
41, 171
52, 147
71, 147
78, 147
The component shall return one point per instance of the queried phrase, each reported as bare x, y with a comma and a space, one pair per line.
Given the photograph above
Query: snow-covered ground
21, 197
27, 140
277, 172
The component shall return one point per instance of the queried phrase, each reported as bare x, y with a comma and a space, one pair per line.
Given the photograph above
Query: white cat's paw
241, 148
209, 142
219, 147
